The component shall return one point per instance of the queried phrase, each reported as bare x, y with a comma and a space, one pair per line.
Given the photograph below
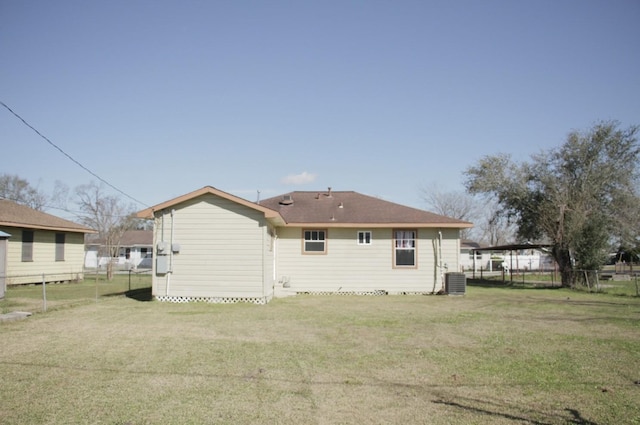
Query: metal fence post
44, 294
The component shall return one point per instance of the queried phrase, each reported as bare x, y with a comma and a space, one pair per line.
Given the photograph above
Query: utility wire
76, 213
70, 157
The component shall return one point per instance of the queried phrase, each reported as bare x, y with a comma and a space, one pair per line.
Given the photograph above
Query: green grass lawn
492, 356
93, 288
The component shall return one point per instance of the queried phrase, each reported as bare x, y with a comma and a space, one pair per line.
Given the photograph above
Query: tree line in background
581, 198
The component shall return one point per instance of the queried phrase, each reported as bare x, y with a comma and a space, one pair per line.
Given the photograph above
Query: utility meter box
162, 248
162, 264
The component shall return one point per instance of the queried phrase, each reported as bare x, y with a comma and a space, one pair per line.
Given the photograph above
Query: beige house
40, 245
213, 246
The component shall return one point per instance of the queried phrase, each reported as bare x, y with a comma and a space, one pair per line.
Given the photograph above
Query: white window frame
405, 243
362, 239
314, 239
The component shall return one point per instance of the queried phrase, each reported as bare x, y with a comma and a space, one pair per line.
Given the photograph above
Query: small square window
364, 237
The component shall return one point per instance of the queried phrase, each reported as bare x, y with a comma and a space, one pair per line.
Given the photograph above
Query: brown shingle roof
346, 208
16, 215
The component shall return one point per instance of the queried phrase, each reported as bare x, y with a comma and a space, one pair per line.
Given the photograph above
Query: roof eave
43, 227
149, 213
383, 225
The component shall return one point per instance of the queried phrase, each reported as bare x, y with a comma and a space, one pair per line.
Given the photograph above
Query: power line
75, 213
70, 157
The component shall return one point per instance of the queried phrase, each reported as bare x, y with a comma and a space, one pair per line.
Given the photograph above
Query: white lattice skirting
213, 300
375, 293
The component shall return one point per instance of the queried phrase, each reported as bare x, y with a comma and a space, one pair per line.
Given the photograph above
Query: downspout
275, 256
170, 271
171, 244
439, 262
157, 254
262, 249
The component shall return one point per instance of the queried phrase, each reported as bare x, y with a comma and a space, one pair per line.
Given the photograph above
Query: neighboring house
519, 257
213, 246
41, 246
472, 260
134, 247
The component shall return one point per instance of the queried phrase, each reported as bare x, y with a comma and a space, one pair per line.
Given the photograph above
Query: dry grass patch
493, 356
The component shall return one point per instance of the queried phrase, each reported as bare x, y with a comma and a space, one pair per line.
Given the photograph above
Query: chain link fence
54, 291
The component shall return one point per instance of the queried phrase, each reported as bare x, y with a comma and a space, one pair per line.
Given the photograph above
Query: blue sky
160, 98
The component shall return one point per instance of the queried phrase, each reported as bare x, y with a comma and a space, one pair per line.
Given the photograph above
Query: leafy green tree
581, 197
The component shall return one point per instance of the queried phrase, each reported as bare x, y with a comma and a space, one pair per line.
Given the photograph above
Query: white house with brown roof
471, 259
134, 246
41, 245
213, 246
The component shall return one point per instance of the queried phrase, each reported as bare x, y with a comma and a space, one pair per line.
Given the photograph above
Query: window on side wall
404, 248
27, 245
364, 237
315, 241
60, 238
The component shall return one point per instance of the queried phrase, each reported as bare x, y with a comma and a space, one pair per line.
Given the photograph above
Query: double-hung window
404, 248
315, 241
60, 237
27, 245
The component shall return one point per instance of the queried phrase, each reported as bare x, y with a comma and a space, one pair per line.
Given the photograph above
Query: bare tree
107, 215
489, 226
452, 204
19, 190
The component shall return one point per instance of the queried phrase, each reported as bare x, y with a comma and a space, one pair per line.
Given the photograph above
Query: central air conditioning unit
455, 283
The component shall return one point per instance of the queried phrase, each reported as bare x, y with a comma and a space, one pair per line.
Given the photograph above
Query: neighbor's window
315, 241
27, 245
364, 237
60, 246
404, 248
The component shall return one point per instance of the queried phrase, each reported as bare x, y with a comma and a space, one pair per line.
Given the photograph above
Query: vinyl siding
44, 257
349, 267
223, 250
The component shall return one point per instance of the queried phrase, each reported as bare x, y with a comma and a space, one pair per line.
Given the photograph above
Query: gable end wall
224, 251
